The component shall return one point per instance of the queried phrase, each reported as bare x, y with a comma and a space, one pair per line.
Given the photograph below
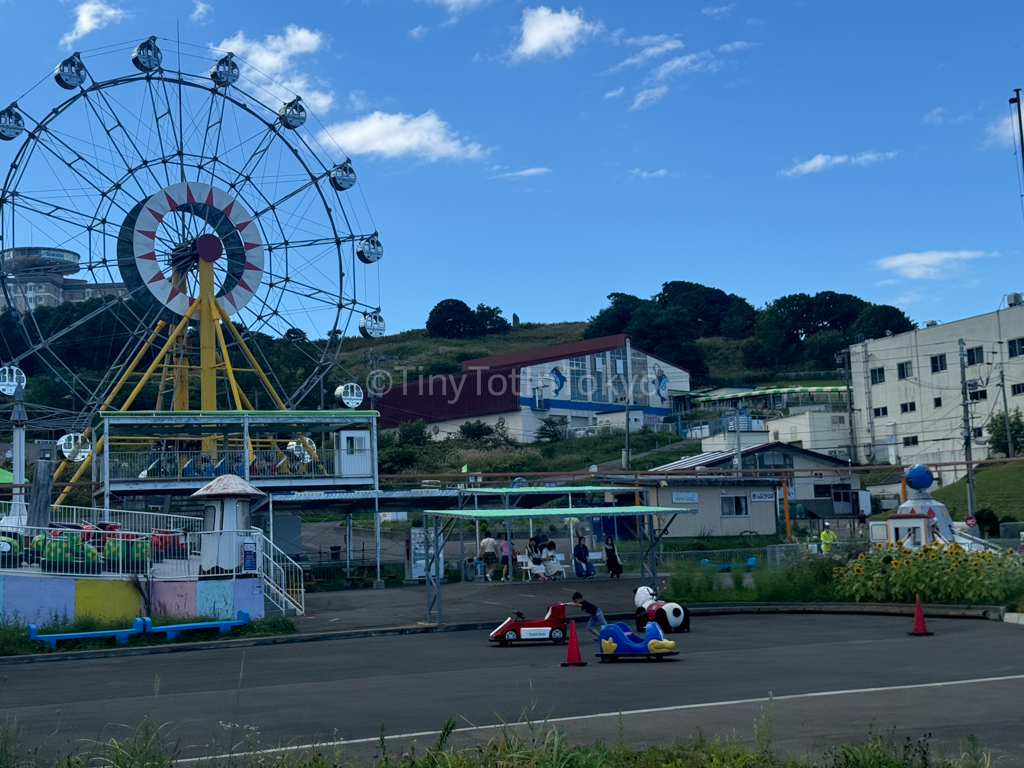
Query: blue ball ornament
918, 477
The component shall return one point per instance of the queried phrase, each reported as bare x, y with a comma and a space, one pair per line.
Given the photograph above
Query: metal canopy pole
348, 545
508, 540
572, 557
438, 547
462, 549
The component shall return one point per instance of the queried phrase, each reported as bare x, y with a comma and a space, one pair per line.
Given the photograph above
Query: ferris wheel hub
209, 247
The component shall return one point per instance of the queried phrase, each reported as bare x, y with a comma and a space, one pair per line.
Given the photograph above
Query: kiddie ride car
517, 627
617, 642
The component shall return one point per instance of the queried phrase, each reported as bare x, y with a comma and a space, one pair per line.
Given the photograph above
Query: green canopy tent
441, 524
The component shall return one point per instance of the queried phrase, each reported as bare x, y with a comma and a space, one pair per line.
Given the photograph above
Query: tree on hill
552, 429
614, 318
709, 311
453, 319
490, 319
876, 319
475, 430
997, 432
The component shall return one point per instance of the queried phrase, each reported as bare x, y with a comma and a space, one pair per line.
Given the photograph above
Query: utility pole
968, 437
739, 442
629, 396
847, 363
1020, 122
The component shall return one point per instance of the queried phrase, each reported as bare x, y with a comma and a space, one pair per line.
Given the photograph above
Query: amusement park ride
209, 226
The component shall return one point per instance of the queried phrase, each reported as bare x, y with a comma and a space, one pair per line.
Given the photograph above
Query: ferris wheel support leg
228, 371
207, 338
161, 354
249, 356
106, 404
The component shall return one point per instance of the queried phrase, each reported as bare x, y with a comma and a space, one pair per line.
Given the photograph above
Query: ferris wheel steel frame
206, 168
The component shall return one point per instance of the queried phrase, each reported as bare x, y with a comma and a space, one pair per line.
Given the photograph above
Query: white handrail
282, 576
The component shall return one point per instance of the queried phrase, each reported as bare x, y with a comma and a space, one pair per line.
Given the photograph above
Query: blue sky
538, 157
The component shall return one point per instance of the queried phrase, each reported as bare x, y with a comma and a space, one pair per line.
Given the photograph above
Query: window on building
579, 385
600, 393
908, 407
975, 356
1016, 347
1017, 389
937, 402
734, 506
838, 420
938, 363
877, 375
909, 441
45, 453
822, 491
978, 394
978, 432
880, 412
905, 370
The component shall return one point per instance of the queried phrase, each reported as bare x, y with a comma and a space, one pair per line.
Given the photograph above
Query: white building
907, 388
818, 431
586, 384
818, 485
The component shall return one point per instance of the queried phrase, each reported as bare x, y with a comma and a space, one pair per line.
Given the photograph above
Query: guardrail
157, 465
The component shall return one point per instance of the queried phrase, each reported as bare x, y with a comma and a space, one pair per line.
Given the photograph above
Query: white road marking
620, 713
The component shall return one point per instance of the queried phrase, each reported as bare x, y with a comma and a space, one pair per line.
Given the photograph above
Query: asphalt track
831, 679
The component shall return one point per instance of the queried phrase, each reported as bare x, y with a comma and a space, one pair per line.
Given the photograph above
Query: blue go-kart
618, 642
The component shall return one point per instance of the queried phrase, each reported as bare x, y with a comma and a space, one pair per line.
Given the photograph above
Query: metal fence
262, 463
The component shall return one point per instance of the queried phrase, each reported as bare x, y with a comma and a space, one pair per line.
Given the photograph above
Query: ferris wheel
124, 194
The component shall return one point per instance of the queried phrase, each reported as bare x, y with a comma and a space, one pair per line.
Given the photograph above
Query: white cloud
1001, 133
525, 173
425, 136
820, 162
200, 11
658, 174
274, 58
90, 16
690, 63
615, 94
357, 101
652, 46
547, 32
941, 115
717, 12
926, 265
738, 45
455, 7
648, 96
417, 32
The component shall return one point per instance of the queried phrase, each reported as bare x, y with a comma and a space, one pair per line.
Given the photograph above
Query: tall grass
525, 745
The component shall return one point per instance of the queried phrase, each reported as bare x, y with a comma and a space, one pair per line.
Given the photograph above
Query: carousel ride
182, 257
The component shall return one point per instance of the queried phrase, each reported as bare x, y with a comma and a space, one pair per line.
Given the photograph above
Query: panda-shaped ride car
671, 617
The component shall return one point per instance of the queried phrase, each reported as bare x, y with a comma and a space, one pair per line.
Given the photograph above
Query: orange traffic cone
920, 628
572, 658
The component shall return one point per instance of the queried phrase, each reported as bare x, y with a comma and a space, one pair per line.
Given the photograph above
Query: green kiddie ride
67, 553
125, 553
10, 552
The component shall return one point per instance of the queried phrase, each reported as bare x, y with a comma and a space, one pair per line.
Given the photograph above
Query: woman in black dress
611, 558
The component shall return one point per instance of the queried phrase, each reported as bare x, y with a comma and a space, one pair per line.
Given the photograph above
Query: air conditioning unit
933, 323
819, 475
1014, 299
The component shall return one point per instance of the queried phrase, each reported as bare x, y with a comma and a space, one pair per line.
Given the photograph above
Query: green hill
1000, 488
414, 348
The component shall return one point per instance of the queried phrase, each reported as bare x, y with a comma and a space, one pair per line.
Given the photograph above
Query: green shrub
808, 579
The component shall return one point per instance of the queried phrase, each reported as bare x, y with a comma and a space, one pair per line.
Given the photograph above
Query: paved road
834, 679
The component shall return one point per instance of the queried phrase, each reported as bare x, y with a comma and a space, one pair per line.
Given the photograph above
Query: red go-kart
517, 627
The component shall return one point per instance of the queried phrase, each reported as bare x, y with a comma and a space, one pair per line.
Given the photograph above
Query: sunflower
975, 564
835, 570
878, 545
858, 570
861, 556
906, 562
895, 563
846, 575
981, 575
932, 557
